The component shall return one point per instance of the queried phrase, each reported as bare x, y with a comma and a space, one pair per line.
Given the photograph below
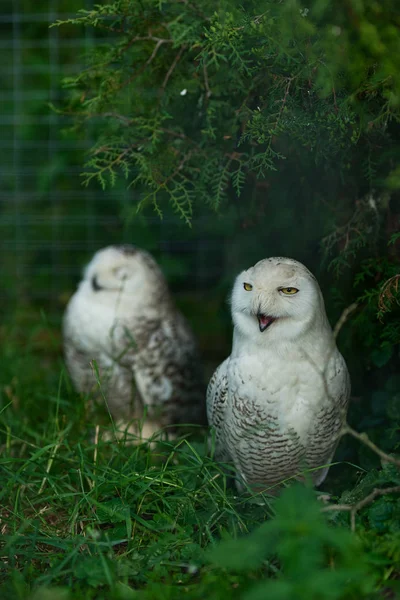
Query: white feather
123, 317
278, 402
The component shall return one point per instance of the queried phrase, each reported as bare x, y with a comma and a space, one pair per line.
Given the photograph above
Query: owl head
124, 270
277, 299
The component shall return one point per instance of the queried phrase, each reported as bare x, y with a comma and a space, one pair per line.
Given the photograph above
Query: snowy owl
123, 317
277, 404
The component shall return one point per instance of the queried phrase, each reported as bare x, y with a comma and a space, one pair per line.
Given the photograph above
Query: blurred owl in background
123, 317
279, 401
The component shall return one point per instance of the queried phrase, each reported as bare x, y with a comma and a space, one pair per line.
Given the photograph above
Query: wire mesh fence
44, 212
50, 224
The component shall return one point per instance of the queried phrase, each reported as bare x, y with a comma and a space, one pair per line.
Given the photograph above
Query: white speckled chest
277, 410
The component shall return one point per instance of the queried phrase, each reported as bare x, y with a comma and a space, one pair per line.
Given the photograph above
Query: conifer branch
144, 38
185, 158
159, 43
284, 99
172, 68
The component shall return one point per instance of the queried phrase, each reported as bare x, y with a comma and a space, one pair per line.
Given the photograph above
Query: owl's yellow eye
289, 291
248, 287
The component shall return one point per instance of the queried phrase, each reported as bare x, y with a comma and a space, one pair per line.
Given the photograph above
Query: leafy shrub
287, 113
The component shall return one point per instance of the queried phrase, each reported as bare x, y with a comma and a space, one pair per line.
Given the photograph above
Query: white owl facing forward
279, 401
123, 317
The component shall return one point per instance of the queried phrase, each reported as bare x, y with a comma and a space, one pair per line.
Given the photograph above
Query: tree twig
354, 508
185, 158
138, 38
343, 318
152, 56
364, 439
284, 99
206, 84
172, 68
334, 99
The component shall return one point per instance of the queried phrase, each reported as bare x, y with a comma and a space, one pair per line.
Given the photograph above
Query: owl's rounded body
279, 401
125, 341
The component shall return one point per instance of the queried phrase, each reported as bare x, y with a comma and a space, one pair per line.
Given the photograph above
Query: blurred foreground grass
82, 518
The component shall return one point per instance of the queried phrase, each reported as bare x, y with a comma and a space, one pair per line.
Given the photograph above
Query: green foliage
385, 298
280, 120
236, 89
88, 519
316, 560
287, 113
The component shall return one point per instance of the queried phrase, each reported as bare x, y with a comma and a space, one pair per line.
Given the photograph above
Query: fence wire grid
49, 223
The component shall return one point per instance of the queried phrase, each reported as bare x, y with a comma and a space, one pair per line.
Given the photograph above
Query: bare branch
172, 68
112, 115
334, 99
155, 50
284, 99
206, 84
343, 318
185, 158
145, 38
354, 508
364, 439
160, 42
361, 437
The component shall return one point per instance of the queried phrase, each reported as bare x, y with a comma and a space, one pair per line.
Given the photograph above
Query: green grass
82, 518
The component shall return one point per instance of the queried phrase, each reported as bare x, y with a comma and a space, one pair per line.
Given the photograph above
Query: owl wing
100, 377
323, 442
166, 367
217, 394
79, 367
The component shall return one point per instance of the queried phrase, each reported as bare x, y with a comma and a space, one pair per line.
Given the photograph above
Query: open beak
264, 321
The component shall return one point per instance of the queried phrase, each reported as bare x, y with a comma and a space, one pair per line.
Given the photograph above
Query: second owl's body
279, 401
123, 318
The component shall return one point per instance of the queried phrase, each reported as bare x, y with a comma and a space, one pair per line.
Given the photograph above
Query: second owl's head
278, 298
123, 269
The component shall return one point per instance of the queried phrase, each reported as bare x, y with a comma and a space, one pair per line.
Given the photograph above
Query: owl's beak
95, 284
264, 321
